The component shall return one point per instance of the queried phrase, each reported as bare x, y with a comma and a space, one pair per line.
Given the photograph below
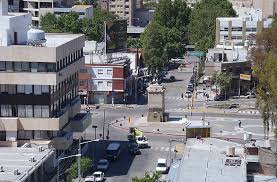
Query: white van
113, 151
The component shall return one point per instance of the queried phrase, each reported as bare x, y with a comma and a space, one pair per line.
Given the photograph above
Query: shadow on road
118, 167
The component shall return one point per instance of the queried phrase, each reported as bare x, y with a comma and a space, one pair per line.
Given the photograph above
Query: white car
103, 165
98, 176
161, 166
142, 141
188, 94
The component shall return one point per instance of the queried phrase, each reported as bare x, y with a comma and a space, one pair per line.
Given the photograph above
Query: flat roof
58, 39
12, 158
204, 161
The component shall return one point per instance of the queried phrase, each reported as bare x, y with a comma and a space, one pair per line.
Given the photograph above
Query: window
29, 111
37, 89
100, 72
37, 111
20, 89
17, 66
28, 89
236, 28
109, 72
45, 111
25, 66
25, 134
9, 66
45, 89
51, 67
3, 135
42, 67
2, 66
100, 83
11, 89
109, 84
21, 111
252, 29
34, 67
6, 110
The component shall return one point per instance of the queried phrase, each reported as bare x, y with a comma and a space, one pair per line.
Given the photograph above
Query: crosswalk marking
167, 149
172, 149
156, 148
162, 148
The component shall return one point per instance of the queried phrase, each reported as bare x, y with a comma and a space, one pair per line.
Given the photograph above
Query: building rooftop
12, 158
204, 160
81, 7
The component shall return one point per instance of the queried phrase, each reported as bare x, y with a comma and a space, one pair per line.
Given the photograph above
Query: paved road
129, 166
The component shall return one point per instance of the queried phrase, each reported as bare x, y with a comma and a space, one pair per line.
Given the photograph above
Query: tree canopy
202, 22
92, 28
166, 35
85, 163
147, 178
264, 57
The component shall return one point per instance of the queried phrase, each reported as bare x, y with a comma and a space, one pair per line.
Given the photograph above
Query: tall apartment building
240, 29
39, 78
41, 7
124, 9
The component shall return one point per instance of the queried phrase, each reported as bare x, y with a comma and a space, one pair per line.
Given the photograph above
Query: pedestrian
182, 95
239, 123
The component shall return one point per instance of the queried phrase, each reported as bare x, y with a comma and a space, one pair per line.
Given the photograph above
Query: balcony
80, 122
62, 142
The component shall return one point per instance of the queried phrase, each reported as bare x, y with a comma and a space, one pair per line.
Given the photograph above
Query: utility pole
104, 124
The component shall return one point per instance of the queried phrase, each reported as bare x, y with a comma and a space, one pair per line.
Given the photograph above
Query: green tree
70, 23
202, 23
49, 23
223, 80
165, 37
264, 57
86, 164
147, 178
134, 42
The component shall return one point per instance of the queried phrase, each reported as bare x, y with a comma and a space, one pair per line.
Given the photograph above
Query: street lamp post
79, 156
62, 158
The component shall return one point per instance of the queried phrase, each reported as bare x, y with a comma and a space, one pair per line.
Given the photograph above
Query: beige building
268, 7
39, 78
124, 9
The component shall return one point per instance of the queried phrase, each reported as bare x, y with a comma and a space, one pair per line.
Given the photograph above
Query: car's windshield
97, 175
102, 162
161, 165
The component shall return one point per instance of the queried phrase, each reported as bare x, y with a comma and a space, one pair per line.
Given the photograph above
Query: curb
249, 112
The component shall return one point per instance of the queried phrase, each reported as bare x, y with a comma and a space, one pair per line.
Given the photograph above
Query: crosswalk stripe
162, 148
156, 148
172, 149
167, 149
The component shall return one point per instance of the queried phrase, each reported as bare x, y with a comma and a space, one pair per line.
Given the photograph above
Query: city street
129, 166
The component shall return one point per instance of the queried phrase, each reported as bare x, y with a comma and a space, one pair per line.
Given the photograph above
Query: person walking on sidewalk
239, 123
182, 95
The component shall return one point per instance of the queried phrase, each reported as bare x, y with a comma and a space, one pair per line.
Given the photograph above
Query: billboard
116, 36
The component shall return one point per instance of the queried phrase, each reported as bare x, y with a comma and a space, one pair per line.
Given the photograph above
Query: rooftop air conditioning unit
230, 151
16, 172
40, 149
32, 159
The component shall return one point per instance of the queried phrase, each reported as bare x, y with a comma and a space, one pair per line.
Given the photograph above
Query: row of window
251, 29
69, 59
27, 67
101, 72
24, 89
25, 111
27, 134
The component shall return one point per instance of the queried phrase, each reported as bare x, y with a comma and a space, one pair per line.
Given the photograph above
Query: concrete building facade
39, 83
124, 9
239, 30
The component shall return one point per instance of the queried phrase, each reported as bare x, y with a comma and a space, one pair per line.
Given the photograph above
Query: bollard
186, 116
141, 115
158, 129
183, 129
120, 124
124, 117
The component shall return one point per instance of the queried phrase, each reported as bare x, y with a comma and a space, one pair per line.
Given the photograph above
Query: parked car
113, 151
220, 97
172, 78
250, 95
103, 165
97, 176
142, 141
133, 148
188, 94
161, 166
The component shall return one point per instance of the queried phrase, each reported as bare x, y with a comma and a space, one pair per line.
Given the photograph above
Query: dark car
133, 148
172, 78
220, 98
